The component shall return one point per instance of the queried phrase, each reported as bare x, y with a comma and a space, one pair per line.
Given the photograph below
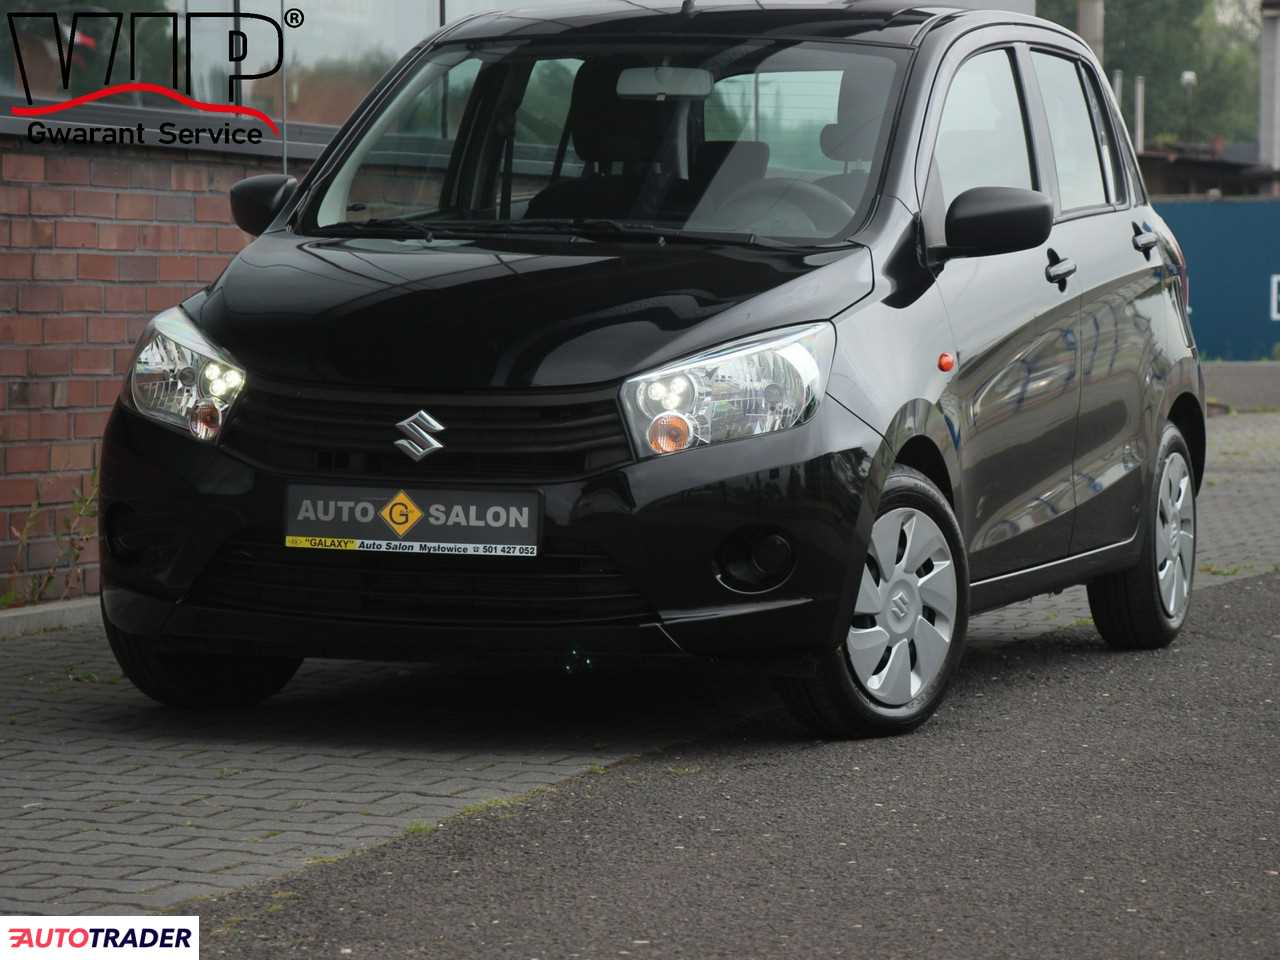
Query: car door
1125, 291
1014, 317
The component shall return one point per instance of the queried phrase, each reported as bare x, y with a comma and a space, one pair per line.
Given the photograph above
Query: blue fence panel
1233, 248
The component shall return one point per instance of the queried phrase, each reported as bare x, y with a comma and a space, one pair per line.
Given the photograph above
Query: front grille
489, 436
564, 584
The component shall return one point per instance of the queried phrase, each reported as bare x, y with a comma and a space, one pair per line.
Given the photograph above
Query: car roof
883, 21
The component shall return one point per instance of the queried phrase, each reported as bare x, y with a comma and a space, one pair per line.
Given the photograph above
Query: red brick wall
93, 242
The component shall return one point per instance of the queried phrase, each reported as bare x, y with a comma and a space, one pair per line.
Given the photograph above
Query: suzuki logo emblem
418, 431
901, 605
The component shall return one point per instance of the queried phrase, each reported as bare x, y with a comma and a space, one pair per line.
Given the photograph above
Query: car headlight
181, 379
745, 388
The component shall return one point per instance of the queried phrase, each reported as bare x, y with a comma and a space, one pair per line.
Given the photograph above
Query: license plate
396, 520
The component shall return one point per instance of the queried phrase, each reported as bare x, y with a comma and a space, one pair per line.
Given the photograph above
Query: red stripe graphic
139, 87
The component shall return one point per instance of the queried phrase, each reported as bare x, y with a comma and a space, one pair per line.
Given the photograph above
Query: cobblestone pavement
109, 804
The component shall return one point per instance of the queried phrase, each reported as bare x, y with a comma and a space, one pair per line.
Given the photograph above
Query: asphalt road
1068, 801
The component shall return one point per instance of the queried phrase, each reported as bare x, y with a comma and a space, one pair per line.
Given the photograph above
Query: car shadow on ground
613, 708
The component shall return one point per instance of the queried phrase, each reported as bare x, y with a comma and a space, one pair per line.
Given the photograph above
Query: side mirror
987, 221
256, 201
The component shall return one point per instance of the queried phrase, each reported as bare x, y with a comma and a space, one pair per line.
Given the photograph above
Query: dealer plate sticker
396, 520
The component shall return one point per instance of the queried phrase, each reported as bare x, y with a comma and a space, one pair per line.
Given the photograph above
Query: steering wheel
769, 199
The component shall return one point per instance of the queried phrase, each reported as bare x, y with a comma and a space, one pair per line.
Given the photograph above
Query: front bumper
178, 514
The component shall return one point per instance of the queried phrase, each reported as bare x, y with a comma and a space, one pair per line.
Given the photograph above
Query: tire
859, 688
1132, 608
200, 681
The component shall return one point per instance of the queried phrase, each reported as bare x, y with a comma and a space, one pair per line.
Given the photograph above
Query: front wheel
908, 624
198, 680
1144, 607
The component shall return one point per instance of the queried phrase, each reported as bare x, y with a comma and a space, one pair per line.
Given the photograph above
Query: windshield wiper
576, 228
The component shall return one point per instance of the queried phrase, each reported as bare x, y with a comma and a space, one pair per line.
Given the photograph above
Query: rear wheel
1144, 607
907, 628
198, 680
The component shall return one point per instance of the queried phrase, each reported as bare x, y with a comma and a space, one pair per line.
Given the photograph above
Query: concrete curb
49, 616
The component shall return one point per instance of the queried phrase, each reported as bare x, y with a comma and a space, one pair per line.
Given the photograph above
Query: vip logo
418, 431
95, 37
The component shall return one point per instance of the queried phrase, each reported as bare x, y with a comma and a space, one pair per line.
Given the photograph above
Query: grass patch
501, 803
419, 827
1214, 570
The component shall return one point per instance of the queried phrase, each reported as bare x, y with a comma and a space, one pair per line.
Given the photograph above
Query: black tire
201, 681
833, 703
1127, 606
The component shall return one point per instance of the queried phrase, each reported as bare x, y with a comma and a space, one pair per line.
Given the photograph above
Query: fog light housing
755, 561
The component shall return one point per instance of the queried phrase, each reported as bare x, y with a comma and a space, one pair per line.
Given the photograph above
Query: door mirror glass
256, 201
986, 221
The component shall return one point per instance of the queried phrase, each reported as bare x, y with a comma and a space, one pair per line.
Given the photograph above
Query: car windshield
742, 139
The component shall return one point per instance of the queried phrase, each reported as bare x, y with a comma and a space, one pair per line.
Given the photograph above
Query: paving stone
111, 804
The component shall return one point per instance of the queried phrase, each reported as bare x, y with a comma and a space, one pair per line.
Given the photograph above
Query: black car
787, 334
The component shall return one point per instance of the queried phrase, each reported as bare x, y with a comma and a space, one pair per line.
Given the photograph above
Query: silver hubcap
906, 609
1175, 534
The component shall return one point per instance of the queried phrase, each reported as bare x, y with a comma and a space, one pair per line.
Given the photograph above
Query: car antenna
687, 8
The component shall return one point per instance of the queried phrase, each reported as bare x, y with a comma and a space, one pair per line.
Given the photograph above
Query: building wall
1233, 286
93, 242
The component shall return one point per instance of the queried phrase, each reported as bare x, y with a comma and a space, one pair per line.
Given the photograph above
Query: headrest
744, 160
607, 128
846, 142
864, 98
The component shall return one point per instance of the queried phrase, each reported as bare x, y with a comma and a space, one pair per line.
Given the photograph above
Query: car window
1112, 164
787, 111
982, 139
707, 136
1081, 181
540, 127
403, 164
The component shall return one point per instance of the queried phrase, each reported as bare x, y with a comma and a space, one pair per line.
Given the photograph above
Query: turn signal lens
669, 432
205, 419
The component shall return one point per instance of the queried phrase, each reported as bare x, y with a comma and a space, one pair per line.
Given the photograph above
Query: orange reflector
946, 363
669, 432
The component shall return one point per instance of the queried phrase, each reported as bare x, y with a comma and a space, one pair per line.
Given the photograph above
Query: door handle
1059, 270
1144, 241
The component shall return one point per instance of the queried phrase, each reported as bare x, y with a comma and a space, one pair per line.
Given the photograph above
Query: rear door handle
1144, 241
1059, 271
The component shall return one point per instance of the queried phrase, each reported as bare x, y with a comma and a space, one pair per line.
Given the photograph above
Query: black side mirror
987, 221
256, 201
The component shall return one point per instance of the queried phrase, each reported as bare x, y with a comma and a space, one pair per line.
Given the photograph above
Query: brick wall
93, 242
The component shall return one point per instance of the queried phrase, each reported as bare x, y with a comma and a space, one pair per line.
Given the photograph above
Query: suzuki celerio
781, 333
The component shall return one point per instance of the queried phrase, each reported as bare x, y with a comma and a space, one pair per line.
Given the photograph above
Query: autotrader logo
48, 28
175, 938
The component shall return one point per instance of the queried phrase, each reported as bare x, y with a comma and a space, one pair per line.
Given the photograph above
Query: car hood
451, 315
